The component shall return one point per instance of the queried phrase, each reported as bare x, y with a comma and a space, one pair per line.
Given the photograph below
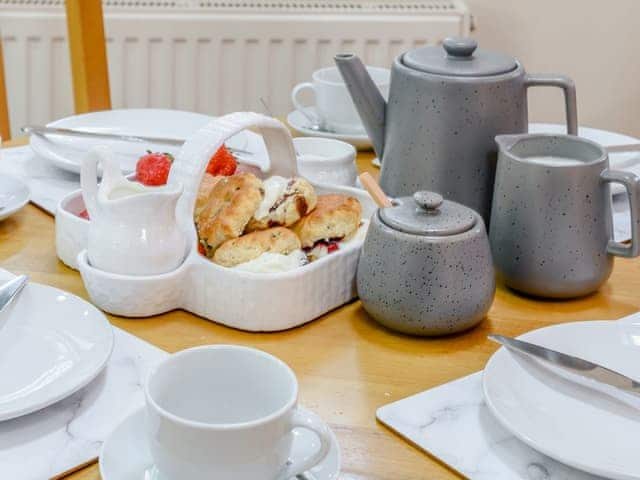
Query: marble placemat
70, 433
452, 422
50, 184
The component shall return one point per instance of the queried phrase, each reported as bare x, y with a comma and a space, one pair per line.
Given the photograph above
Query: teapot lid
427, 213
459, 57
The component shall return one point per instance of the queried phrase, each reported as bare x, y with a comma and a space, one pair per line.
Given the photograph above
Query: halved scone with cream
248, 247
285, 201
231, 204
336, 218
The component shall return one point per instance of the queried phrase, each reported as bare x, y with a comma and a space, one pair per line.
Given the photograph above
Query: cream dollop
274, 188
274, 262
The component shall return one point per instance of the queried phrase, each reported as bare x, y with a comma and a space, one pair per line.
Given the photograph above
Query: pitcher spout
366, 96
506, 142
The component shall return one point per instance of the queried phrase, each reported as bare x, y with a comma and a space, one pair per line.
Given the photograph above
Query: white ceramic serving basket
243, 300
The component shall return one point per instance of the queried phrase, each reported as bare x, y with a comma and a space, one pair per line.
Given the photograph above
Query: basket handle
191, 163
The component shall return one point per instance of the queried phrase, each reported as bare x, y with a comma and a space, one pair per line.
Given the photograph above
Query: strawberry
153, 168
222, 163
84, 214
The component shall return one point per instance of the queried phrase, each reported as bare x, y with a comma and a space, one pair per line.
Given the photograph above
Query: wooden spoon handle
370, 184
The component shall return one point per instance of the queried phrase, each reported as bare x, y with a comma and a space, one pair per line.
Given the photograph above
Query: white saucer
300, 123
14, 194
570, 422
67, 152
125, 454
51, 345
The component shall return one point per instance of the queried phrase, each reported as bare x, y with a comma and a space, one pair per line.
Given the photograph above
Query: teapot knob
428, 200
460, 46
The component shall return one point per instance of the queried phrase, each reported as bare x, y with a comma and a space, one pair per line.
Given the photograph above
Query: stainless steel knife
43, 131
9, 291
575, 365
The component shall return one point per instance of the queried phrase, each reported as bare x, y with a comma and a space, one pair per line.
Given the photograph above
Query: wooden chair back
89, 69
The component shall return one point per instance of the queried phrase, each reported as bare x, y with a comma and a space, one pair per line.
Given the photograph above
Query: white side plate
571, 423
14, 194
53, 344
67, 152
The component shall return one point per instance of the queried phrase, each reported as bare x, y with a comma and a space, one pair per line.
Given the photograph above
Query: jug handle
111, 175
569, 89
631, 183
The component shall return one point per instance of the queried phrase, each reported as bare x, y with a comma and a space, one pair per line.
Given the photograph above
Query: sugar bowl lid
427, 213
459, 57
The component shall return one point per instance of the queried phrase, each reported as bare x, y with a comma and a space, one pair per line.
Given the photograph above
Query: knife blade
575, 365
44, 131
9, 291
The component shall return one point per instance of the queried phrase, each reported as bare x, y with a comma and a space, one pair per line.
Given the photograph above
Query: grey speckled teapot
426, 266
446, 105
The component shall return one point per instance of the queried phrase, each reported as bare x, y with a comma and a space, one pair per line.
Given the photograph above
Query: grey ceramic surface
437, 131
423, 284
551, 226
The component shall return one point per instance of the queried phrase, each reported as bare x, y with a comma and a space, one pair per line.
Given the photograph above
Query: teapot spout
366, 97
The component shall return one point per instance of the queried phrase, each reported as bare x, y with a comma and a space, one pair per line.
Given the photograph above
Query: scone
252, 245
285, 202
232, 202
336, 217
208, 182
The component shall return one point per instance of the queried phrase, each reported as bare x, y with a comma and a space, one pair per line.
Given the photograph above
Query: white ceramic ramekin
326, 161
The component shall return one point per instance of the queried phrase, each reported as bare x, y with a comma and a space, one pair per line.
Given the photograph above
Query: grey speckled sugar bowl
446, 104
426, 266
551, 224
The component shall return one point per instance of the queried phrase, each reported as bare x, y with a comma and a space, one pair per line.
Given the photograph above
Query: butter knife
569, 363
176, 142
9, 291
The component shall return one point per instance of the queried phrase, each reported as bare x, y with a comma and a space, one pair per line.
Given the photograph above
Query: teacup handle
312, 422
298, 106
631, 183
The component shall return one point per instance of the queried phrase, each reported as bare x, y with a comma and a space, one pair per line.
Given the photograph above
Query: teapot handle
631, 183
569, 89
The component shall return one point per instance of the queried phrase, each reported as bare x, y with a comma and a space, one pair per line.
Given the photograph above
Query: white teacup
334, 106
326, 161
224, 412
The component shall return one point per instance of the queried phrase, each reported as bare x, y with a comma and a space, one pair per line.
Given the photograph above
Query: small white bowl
326, 161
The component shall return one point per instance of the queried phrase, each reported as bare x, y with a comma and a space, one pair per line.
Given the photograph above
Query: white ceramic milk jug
132, 228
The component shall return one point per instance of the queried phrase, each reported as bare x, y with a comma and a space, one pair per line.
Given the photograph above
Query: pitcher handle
569, 89
631, 183
89, 180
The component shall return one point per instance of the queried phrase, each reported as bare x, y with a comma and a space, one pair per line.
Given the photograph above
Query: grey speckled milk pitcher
551, 224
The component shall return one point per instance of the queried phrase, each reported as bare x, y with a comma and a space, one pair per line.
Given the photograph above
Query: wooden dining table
347, 364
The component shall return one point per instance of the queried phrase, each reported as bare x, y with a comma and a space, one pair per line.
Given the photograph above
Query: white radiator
209, 56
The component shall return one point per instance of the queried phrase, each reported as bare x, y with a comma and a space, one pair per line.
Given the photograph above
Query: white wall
596, 42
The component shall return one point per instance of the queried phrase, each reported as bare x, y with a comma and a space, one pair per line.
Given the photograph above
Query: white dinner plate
14, 194
67, 152
51, 345
125, 453
570, 422
300, 123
